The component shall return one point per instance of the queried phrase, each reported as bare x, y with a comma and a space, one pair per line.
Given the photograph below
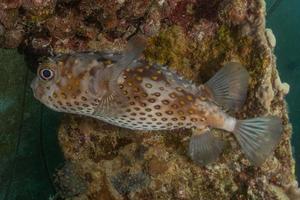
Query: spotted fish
124, 90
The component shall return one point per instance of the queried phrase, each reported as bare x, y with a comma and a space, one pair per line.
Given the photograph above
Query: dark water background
26, 165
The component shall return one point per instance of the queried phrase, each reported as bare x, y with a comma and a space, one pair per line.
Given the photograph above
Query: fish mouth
36, 90
33, 84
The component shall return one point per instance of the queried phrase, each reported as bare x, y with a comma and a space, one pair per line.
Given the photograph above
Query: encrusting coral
194, 38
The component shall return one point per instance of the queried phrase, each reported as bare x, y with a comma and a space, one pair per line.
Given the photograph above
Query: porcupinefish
124, 90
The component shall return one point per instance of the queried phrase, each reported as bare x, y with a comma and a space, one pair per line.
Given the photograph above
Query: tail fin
229, 85
258, 137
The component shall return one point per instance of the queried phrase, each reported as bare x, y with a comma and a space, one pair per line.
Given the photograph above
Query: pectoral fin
204, 148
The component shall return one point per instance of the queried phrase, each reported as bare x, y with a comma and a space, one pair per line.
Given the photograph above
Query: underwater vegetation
194, 38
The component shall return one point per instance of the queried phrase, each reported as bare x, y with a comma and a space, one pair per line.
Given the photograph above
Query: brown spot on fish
151, 100
166, 102
172, 95
194, 119
141, 70
157, 94
174, 106
182, 102
191, 111
157, 107
180, 112
154, 78
179, 89
190, 98
169, 112
148, 85
158, 114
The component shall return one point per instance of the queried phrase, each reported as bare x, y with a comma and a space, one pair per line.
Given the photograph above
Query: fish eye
46, 74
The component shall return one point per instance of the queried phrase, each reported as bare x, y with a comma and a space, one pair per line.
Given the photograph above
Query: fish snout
33, 84
36, 89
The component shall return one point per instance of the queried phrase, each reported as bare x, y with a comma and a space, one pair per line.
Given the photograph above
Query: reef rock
195, 38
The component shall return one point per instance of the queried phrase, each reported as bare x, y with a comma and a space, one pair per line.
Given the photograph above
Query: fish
123, 89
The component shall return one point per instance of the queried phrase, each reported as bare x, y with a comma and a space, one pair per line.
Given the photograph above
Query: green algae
173, 48
170, 48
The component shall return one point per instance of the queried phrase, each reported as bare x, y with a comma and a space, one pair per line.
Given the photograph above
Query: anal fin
204, 148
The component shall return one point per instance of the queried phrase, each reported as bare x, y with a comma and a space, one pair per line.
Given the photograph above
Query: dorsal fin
229, 85
133, 51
